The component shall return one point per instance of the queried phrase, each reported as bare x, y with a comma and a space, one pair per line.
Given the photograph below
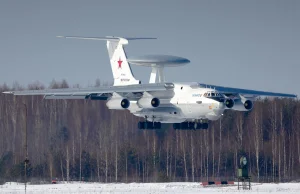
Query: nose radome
221, 105
220, 109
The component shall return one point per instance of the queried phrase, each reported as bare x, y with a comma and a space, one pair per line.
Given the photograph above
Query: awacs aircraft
186, 105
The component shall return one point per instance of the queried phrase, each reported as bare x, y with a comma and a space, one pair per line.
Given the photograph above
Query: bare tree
220, 146
257, 138
192, 157
183, 147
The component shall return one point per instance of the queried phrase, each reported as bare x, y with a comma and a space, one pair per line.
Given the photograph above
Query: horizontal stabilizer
108, 38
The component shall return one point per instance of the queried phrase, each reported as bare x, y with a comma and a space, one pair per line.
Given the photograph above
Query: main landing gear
190, 126
146, 125
149, 125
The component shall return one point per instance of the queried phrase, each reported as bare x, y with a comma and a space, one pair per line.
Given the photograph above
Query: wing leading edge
229, 90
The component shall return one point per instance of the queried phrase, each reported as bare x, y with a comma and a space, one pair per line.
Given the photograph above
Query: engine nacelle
148, 102
118, 103
247, 105
229, 103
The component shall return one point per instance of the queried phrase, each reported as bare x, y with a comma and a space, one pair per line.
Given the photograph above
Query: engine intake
149, 102
155, 102
229, 103
248, 104
118, 103
125, 103
243, 105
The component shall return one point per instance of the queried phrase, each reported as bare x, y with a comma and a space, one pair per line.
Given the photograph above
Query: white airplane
186, 105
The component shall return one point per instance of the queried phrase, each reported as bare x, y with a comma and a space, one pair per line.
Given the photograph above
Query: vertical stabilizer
119, 65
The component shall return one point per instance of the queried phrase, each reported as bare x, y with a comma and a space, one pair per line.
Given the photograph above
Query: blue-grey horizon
245, 44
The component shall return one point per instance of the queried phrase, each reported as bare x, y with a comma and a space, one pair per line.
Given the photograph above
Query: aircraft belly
193, 111
210, 110
160, 114
174, 113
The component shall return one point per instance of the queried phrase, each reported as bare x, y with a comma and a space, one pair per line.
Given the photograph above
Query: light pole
26, 161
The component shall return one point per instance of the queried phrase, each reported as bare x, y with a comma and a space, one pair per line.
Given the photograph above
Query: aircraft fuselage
185, 103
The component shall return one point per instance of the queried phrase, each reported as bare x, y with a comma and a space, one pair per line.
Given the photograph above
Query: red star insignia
120, 63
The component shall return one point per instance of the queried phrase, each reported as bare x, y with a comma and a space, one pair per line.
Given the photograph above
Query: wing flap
65, 97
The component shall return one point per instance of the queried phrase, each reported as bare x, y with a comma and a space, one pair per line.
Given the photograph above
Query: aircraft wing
246, 92
96, 93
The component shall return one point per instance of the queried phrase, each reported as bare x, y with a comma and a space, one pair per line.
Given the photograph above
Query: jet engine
118, 103
148, 102
229, 103
243, 105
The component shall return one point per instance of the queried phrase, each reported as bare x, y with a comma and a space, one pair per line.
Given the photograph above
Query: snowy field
153, 188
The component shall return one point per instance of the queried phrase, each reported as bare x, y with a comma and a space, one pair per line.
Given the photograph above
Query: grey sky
248, 44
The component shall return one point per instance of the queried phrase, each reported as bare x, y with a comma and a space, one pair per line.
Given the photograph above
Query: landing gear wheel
141, 125
195, 125
176, 126
205, 126
157, 125
148, 125
184, 125
199, 126
191, 126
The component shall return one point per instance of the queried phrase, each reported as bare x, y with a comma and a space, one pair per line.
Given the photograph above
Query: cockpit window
215, 96
212, 94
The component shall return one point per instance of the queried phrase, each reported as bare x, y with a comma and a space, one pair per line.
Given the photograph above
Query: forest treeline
83, 140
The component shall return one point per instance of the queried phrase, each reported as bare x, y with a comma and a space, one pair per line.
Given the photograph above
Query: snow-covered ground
153, 188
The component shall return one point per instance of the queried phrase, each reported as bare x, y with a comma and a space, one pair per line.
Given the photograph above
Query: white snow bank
153, 188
